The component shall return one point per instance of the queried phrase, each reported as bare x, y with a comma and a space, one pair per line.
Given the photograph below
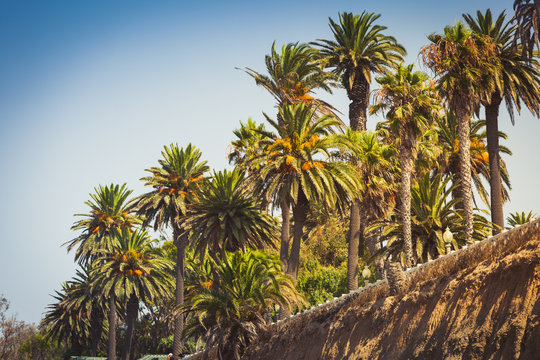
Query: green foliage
231, 297
225, 216
517, 218
39, 347
318, 283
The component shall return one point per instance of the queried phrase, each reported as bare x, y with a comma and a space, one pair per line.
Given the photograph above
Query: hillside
481, 302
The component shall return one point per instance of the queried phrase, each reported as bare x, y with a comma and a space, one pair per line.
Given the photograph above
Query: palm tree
467, 69
110, 210
358, 49
527, 18
226, 217
174, 181
89, 303
292, 170
410, 102
65, 322
133, 269
448, 160
246, 146
374, 162
520, 80
517, 218
229, 314
292, 76
432, 210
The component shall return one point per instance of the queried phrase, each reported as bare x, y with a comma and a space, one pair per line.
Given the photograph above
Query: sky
91, 91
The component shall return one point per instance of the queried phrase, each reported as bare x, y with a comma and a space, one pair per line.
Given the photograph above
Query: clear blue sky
90, 91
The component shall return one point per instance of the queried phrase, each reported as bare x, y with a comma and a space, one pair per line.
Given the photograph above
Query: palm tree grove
313, 204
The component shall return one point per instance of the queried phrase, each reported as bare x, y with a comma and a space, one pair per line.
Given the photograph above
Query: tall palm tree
520, 78
133, 269
359, 48
292, 76
246, 145
110, 210
227, 217
229, 314
466, 66
293, 170
410, 102
375, 164
527, 18
448, 160
174, 181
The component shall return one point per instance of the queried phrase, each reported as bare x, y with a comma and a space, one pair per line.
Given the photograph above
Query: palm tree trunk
372, 242
285, 234
359, 96
131, 315
406, 160
112, 328
492, 129
354, 242
396, 278
96, 328
180, 241
300, 211
464, 130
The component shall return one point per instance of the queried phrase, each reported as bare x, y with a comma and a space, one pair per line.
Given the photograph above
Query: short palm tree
180, 173
410, 103
65, 322
467, 69
226, 217
520, 218
229, 314
134, 269
110, 210
294, 170
520, 78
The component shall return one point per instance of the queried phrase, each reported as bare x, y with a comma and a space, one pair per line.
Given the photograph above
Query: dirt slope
482, 302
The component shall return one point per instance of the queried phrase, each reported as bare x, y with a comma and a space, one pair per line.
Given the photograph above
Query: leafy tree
517, 218
410, 103
133, 269
230, 313
13, 333
294, 171
467, 69
39, 347
174, 181
520, 81
226, 217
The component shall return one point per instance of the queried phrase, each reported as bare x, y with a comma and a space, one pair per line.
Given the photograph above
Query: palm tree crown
226, 217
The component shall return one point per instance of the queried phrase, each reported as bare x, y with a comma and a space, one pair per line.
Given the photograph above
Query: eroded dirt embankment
478, 303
